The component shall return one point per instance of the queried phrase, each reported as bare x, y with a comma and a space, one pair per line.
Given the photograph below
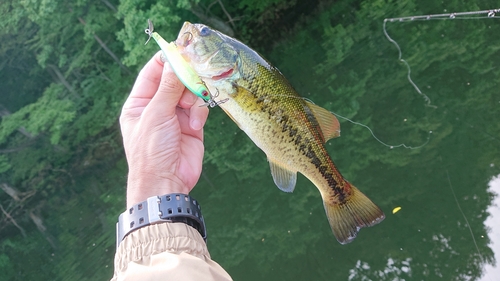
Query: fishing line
383, 143
461, 15
400, 58
465, 218
368, 128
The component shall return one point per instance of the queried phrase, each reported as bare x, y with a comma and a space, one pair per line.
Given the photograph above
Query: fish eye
205, 31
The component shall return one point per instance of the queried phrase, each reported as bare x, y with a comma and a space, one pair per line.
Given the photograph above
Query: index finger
145, 86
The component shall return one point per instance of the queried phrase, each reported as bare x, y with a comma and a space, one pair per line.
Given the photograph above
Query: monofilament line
465, 218
383, 143
370, 130
400, 58
462, 15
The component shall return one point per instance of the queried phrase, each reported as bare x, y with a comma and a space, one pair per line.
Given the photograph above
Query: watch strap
175, 207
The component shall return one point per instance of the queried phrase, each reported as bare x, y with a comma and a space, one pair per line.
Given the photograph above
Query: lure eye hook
149, 30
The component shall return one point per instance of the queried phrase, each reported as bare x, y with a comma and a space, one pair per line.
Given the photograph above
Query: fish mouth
225, 74
187, 36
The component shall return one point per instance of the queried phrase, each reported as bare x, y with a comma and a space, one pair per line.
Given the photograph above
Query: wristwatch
175, 207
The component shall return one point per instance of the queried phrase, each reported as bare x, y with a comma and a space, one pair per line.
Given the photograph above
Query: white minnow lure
182, 69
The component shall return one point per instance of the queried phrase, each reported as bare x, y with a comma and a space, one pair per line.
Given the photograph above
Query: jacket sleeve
166, 251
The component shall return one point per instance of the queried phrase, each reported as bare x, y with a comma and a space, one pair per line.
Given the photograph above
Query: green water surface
343, 62
339, 57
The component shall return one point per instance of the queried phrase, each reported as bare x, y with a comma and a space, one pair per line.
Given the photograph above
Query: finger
144, 87
198, 112
167, 96
198, 115
184, 118
188, 99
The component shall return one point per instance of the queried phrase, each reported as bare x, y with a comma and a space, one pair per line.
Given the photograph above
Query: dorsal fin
328, 123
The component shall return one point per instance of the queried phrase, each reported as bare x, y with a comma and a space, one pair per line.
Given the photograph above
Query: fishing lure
182, 69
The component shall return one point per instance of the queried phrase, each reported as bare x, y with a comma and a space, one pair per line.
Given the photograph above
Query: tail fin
356, 212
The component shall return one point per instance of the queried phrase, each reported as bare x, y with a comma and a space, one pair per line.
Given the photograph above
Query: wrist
140, 187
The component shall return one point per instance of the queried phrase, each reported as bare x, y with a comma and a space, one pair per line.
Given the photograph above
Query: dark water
342, 61
448, 225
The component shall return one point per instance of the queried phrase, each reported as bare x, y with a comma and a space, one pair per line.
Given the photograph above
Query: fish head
211, 53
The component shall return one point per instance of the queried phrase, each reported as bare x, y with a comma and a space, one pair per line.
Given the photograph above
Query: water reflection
340, 59
492, 272
357, 74
394, 270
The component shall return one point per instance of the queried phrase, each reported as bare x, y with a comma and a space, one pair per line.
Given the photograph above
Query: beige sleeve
166, 251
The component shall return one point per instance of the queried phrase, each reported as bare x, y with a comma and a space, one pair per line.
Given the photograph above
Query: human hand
162, 127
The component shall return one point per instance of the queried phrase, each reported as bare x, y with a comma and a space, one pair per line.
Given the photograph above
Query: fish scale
281, 95
290, 130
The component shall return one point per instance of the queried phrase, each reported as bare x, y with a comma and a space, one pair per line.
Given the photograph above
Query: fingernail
163, 58
196, 125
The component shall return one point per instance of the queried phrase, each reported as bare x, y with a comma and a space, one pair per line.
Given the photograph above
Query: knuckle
170, 84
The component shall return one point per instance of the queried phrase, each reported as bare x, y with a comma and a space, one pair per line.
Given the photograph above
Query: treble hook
212, 102
149, 30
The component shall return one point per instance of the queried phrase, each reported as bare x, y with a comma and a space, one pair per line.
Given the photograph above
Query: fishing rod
461, 15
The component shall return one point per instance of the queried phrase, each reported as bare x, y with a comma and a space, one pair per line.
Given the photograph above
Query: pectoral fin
283, 178
239, 96
328, 123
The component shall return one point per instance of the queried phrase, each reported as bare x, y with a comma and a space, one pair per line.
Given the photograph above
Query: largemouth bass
291, 131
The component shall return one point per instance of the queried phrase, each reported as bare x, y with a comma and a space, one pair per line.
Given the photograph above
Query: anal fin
348, 217
283, 178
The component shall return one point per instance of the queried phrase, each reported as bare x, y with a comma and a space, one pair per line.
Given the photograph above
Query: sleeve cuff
175, 238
